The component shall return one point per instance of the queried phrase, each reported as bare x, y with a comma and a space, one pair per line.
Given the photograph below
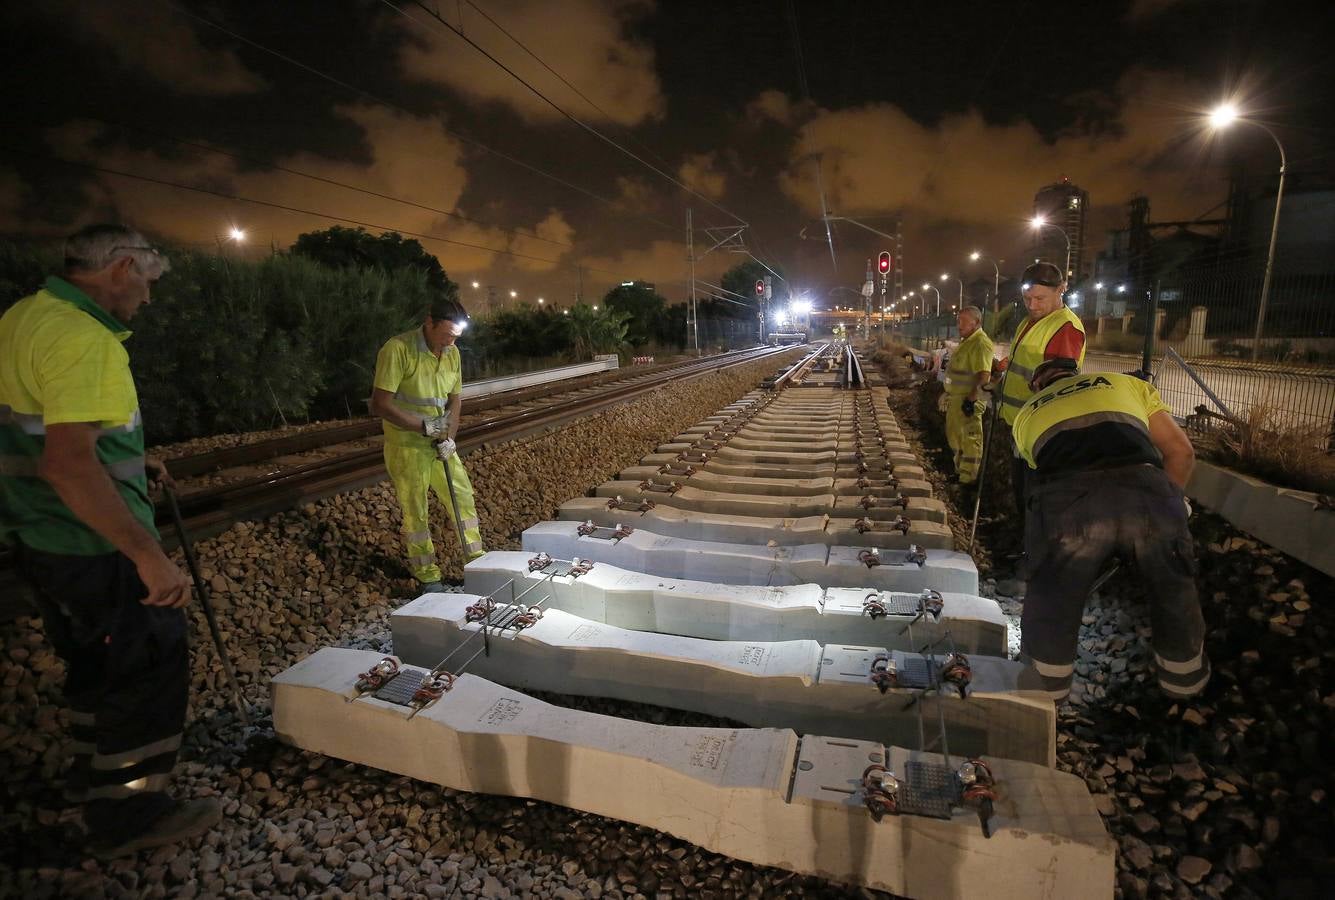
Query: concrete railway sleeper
865, 647
728, 612
911, 569
658, 516
860, 692
846, 809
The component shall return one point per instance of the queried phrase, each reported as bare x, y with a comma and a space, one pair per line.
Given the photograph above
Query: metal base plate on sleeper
903, 604
916, 671
401, 687
928, 790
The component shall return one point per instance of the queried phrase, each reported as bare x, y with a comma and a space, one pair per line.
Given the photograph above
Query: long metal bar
188, 548
1191, 373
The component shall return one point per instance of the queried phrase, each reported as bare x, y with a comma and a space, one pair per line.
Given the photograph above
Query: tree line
235, 345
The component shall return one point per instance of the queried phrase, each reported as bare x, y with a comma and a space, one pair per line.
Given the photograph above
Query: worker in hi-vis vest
75, 503
418, 378
1051, 331
967, 374
1108, 468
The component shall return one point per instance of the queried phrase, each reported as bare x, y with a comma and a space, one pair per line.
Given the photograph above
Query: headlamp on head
448, 311
1044, 273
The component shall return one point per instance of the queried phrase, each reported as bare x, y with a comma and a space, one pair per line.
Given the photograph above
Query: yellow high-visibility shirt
420, 382
974, 354
62, 361
1093, 421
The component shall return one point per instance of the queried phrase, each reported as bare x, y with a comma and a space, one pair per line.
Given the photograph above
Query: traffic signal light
883, 262
760, 288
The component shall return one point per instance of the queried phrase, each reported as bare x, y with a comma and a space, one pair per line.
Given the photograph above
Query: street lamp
476, 285
928, 287
541, 301
236, 234
1224, 115
514, 293
946, 276
996, 277
1038, 223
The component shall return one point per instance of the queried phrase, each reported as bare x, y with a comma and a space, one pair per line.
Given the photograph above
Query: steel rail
212, 511
212, 461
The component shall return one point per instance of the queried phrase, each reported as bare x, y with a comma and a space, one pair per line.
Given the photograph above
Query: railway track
217, 502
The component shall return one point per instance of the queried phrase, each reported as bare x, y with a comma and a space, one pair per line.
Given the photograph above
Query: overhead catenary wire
554, 105
241, 157
297, 209
362, 92
540, 61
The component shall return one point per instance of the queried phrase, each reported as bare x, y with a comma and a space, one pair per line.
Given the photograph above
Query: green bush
236, 345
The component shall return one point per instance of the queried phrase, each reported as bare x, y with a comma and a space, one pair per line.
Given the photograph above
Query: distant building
1064, 205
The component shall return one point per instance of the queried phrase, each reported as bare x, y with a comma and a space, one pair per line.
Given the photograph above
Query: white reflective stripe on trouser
470, 522
1189, 690
425, 559
1181, 668
111, 761
473, 547
1052, 670
158, 782
416, 537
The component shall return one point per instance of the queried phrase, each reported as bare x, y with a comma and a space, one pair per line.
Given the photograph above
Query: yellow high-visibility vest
974, 354
1089, 421
421, 383
1027, 354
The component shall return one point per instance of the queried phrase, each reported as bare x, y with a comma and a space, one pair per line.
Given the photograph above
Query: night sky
949, 114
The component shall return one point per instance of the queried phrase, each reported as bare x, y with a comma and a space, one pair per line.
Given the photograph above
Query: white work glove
436, 426
1187, 504
942, 402
445, 449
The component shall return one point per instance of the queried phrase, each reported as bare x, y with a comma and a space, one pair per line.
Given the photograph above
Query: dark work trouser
1074, 525
127, 679
1019, 475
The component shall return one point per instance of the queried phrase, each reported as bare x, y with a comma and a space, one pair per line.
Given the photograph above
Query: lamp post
996, 276
1223, 116
946, 276
929, 287
1038, 223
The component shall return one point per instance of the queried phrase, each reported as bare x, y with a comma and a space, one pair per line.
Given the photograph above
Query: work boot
431, 587
186, 819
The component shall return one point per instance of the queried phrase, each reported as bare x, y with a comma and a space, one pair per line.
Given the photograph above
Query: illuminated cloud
153, 38
700, 173
972, 177
408, 157
772, 106
586, 41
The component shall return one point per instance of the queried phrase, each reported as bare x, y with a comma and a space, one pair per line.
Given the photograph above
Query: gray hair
94, 247
973, 311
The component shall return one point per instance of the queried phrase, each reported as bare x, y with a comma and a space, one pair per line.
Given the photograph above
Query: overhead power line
725, 291
540, 61
255, 161
556, 106
297, 209
362, 92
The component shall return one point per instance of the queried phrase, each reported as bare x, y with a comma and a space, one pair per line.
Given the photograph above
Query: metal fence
1209, 305
1298, 399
